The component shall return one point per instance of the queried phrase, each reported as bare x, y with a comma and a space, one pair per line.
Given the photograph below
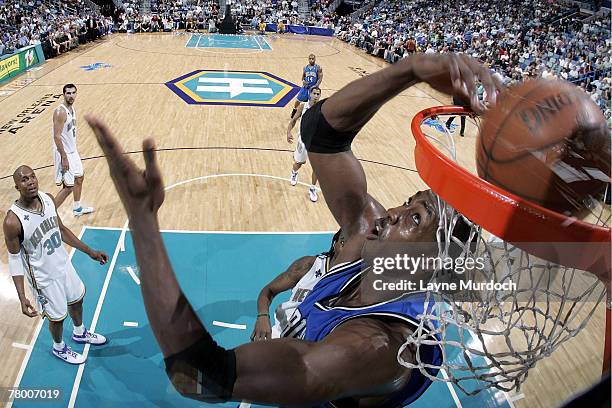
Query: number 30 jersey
43, 255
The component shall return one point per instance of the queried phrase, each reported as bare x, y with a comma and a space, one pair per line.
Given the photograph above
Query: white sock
313, 188
77, 205
79, 330
59, 346
293, 172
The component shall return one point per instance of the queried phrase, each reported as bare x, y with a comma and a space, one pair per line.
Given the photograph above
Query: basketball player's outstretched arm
12, 232
341, 176
453, 74
280, 372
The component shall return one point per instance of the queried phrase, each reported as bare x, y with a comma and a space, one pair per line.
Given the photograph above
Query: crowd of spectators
530, 38
58, 27
204, 15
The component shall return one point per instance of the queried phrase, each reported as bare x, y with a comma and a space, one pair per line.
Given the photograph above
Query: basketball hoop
495, 338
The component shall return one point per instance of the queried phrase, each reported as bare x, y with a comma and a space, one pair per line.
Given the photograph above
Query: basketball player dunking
311, 77
34, 232
68, 166
346, 339
299, 154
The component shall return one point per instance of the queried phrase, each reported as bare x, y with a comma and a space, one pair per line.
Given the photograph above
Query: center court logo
241, 88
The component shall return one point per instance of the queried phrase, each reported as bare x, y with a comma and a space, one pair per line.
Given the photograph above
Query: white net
491, 335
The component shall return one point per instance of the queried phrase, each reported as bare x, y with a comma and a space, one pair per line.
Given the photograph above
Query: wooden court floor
205, 140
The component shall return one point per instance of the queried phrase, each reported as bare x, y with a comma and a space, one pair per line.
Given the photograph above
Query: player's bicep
344, 185
298, 269
12, 231
59, 117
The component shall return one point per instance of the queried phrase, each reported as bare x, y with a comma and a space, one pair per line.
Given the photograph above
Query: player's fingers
153, 172
455, 74
491, 84
468, 77
30, 311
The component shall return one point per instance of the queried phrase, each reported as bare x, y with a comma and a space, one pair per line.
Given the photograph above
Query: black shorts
319, 136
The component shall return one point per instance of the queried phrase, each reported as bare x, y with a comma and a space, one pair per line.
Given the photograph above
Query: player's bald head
20, 171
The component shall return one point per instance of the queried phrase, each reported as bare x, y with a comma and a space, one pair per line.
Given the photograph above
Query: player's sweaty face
27, 183
414, 221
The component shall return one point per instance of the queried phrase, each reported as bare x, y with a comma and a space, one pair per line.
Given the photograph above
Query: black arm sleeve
319, 136
215, 365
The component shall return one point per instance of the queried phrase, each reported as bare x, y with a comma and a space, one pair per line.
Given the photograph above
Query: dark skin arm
281, 283
293, 121
12, 237
341, 176
319, 76
59, 118
69, 238
280, 372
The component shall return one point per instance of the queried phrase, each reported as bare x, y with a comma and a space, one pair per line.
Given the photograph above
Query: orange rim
606, 357
503, 214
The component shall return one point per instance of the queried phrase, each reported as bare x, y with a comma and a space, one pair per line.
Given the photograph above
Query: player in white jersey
300, 155
301, 276
68, 166
34, 233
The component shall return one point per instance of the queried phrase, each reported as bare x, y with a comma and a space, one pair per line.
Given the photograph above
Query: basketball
546, 141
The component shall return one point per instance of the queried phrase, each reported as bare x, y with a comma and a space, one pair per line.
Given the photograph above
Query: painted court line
265, 41
517, 397
258, 43
26, 359
229, 325
453, 393
133, 275
94, 322
21, 346
130, 324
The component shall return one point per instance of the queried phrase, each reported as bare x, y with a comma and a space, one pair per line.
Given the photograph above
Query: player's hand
65, 164
27, 308
141, 192
289, 137
456, 74
98, 256
262, 330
